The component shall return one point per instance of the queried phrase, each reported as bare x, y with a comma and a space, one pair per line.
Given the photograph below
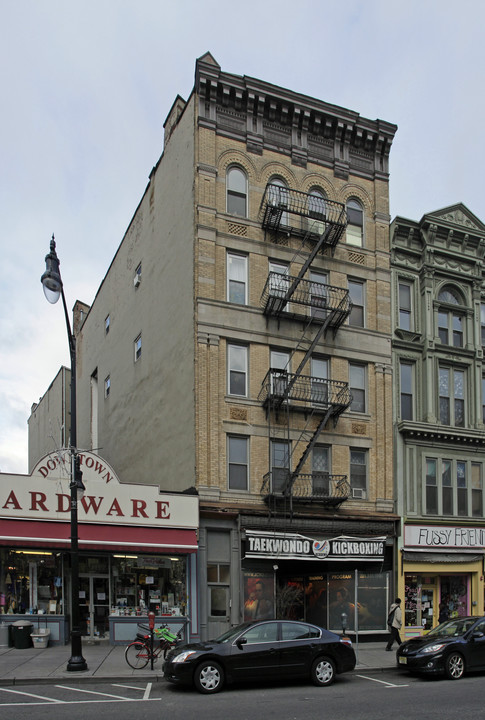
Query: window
358, 472
316, 212
477, 493
280, 465
431, 487
279, 361
137, 345
319, 380
320, 470
452, 396
406, 389
237, 453
453, 488
279, 196
218, 573
107, 386
483, 399
236, 192
318, 294
357, 296
107, 323
357, 387
238, 370
450, 322
237, 278
278, 281
137, 278
355, 223
482, 323
405, 309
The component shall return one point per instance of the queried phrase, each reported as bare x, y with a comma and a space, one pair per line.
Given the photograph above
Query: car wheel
323, 671
209, 677
454, 666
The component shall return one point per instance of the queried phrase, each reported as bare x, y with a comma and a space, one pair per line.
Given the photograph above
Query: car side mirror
240, 642
477, 635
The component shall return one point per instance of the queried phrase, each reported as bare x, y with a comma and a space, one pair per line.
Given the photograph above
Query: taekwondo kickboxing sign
260, 544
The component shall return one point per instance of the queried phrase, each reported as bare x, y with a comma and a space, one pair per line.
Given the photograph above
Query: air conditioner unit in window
137, 280
358, 493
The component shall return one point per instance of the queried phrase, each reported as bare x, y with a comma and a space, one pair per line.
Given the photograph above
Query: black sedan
451, 648
266, 650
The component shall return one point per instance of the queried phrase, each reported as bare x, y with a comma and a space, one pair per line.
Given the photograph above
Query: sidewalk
107, 663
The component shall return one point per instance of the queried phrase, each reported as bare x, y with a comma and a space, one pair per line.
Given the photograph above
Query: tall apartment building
439, 442
240, 344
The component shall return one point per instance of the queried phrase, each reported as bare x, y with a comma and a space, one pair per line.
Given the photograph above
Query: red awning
95, 536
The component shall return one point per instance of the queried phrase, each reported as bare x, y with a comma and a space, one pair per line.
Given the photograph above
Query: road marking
147, 692
93, 692
72, 702
32, 695
383, 682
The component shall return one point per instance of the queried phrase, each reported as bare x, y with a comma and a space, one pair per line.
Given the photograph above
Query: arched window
236, 185
355, 223
451, 322
316, 211
279, 196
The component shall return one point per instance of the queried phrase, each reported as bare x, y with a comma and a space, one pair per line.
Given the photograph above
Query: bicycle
138, 653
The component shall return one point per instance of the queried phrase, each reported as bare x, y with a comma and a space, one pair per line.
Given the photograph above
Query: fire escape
320, 308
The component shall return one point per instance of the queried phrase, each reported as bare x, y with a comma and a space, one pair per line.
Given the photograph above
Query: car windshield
452, 628
232, 633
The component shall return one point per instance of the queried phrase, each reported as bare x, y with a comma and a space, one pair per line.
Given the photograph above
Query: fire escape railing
327, 304
285, 210
321, 487
304, 392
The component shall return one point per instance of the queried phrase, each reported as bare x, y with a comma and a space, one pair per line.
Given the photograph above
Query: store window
147, 582
31, 582
424, 594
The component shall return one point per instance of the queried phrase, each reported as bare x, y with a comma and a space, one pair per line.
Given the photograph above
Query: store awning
437, 557
110, 538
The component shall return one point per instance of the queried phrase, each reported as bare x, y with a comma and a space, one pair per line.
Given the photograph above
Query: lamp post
53, 289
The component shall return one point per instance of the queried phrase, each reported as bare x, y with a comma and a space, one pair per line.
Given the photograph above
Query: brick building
240, 344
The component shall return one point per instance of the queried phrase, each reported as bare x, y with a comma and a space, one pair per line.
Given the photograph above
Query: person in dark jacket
444, 614
395, 624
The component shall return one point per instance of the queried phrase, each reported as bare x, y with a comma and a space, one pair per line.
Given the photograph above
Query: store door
428, 605
94, 605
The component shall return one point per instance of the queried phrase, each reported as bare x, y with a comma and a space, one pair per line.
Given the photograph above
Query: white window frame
355, 230
357, 305
137, 348
231, 462
237, 362
234, 190
359, 492
361, 387
237, 272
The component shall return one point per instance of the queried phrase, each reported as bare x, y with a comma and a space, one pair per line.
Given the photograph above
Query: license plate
403, 660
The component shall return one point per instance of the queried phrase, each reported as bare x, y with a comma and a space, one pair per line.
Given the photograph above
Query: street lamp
52, 284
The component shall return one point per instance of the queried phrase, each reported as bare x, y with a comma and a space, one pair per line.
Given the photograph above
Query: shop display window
141, 583
31, 581
323, 599
427, 595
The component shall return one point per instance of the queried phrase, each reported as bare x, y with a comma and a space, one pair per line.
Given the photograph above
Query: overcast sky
86, 86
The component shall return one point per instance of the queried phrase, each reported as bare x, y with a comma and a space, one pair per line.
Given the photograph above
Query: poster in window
258, 596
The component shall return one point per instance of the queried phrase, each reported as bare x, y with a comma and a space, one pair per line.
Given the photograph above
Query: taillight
346, 641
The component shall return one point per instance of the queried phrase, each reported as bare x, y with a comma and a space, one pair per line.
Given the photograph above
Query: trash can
21, 630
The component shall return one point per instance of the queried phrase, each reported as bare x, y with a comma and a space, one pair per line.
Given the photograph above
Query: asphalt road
352, 697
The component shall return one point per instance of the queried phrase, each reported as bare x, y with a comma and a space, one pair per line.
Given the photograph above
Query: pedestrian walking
394, 623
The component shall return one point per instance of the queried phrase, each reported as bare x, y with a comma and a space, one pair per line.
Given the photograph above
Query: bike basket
166, 634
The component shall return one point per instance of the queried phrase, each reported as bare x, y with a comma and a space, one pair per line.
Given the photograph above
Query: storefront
137, 552
337, 582
442, 569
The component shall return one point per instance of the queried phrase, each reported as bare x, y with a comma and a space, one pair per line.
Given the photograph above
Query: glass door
94, 605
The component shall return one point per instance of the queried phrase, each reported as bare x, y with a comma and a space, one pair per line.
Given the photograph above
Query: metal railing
304, 391
320, 487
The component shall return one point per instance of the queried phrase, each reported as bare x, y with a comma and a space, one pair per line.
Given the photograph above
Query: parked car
266, 650
451, 648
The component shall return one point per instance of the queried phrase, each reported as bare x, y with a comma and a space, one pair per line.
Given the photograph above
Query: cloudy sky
86, 86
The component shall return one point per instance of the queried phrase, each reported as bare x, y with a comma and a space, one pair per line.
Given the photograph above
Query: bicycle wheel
137, 655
